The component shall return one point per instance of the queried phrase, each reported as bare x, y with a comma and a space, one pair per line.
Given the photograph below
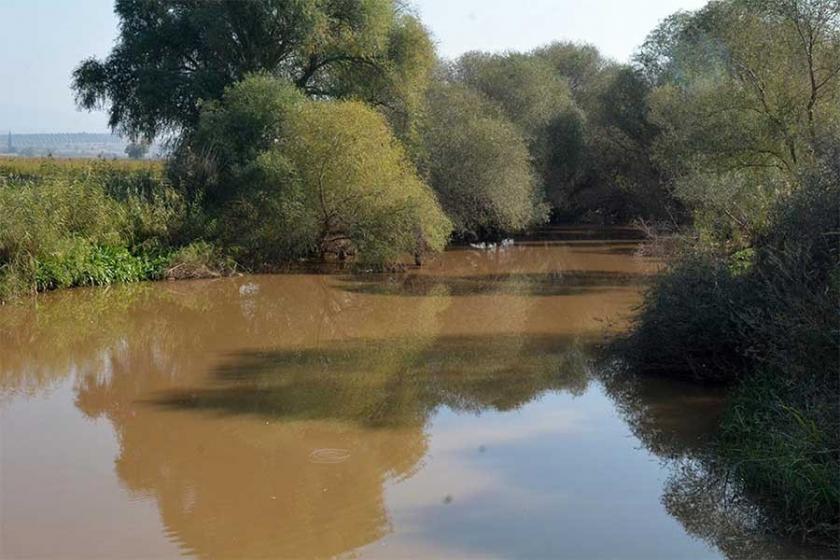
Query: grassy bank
70, 223
764, 321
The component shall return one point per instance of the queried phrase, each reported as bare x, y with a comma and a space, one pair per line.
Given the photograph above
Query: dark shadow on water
389, 383
623, 250
543, 284
583, 233
677, 421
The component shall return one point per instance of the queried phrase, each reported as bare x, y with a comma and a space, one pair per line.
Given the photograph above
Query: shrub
685, 327
767, 317
479, 165
198, 260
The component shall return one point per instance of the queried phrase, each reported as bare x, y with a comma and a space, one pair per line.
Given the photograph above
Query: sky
42, 41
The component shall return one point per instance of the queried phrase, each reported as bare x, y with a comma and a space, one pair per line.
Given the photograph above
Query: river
452, 411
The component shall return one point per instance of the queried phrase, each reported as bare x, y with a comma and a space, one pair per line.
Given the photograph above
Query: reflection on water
450, 411
394, 383
676, 421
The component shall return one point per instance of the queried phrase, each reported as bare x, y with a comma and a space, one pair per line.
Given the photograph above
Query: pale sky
42, 41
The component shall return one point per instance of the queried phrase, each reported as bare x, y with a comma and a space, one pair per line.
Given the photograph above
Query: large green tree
528, 89
745, 91
537, 99
173, 54
747, 83
478, 162
301, 177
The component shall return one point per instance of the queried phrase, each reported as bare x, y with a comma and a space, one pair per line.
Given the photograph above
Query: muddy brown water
449, 412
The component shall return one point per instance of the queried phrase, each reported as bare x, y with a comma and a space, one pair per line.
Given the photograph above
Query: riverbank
764, 322
71, 223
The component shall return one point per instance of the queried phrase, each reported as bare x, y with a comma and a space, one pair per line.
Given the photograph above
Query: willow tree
173, 54
478, 162
747, 83
359, 187
745, 91
301, 178
528, 89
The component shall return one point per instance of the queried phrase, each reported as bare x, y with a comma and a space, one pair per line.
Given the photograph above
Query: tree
137, 150
744, 91
218, 163
746, 83
359, 185
582, 66
528, 89
172, 55
478, 163
305, 177
535, 97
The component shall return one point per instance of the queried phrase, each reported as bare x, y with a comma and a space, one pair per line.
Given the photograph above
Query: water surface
451, 411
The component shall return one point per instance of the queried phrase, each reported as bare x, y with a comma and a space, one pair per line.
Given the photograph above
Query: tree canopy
478, 163
303, 177
173, 54
744, 93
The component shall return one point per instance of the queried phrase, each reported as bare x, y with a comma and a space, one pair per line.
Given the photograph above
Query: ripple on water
329, 456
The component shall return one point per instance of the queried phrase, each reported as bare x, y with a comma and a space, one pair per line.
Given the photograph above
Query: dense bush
478, 163
766, 318
295, 178
686, 327
79, 225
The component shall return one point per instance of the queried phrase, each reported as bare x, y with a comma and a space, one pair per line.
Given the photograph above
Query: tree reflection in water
266, 416
678, 421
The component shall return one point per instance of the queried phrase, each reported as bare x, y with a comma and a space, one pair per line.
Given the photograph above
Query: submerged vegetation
311, 130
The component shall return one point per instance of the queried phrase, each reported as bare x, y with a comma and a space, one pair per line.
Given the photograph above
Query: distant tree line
504, 141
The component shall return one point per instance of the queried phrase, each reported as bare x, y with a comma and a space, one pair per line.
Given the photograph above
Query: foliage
137, 150
767, 318
535, 97
171, 55
81, 225
582, 66
743, 92
586, 124
357, 184
528, 89
685, 326
306, 178
217, 164
730, 207
478, 164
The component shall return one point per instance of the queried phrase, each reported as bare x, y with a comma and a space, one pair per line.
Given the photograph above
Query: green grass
782, 441
69, 223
